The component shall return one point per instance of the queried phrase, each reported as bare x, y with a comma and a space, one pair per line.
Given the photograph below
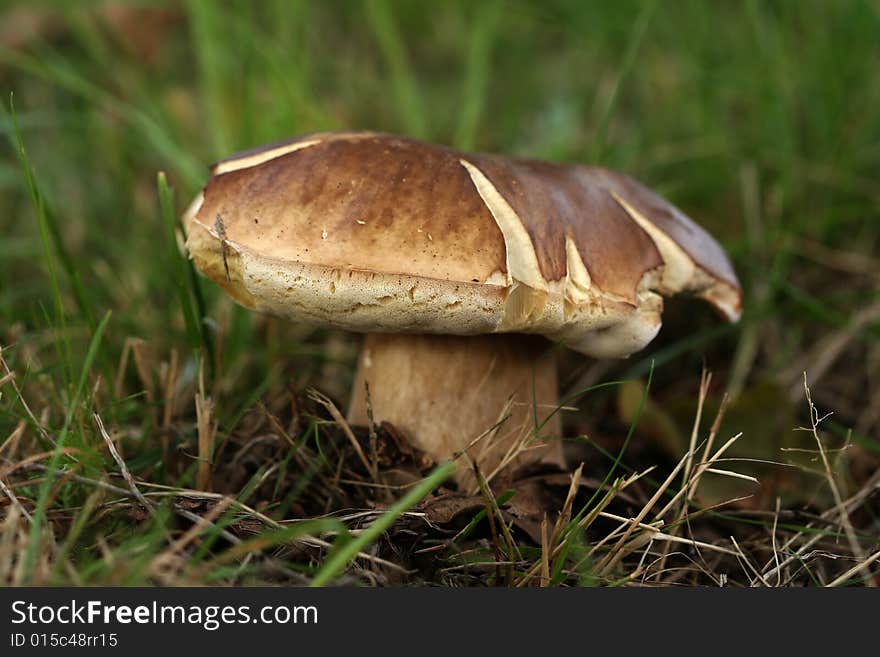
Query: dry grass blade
845, 261
855, 570
121, 368
625, 525
6, 378
311, 541
565, 515
164, 558
489, 437
374, 436
705, 381
617, 486
745, 560
731, 473
276, 425
15, 501
142, 363
10, 445
123, 468
853, 540
697, 474
10, 547
661, 536
74, 477
32, 461
830, 348
617, 553
169, 385
656, 534
850, 505
494, 515
207, 432
490, 515
325, 401
773, 541
27, 409
545, 552
710, 443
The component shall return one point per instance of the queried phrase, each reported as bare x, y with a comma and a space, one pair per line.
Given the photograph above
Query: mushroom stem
445, 391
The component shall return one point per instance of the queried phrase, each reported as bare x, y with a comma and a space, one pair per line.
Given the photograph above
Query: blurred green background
760, 119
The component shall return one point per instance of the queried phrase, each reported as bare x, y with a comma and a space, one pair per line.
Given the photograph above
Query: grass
759, 119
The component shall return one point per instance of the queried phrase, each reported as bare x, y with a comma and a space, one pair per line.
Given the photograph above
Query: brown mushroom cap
377, 233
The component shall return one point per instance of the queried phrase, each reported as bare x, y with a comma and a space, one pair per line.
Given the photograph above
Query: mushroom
461, 269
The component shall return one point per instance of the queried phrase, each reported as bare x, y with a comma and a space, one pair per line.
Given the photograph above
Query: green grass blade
67, 262
50, 232
476, 74
403, 80
339, 559
184, 281
571, 529
152, 130
205, 20
640, 27
504, 498
629, 434
62, 344
39, 514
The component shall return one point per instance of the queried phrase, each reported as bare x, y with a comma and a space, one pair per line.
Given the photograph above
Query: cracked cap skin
377, 233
